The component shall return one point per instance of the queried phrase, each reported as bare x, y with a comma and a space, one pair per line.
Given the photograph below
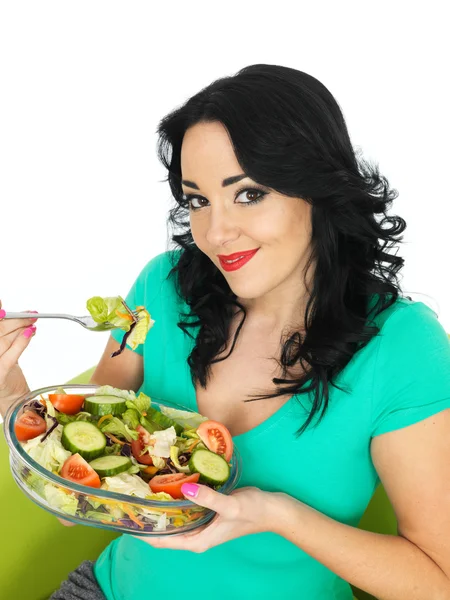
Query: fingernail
2, 313
190, 489
29, 331
36, 312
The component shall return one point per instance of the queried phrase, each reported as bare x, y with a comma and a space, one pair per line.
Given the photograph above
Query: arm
414, 466
125, 371
15, 336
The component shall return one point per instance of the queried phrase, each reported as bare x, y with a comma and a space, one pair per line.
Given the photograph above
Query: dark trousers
80, 585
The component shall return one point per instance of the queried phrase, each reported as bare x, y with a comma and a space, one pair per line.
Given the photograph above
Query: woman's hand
15, 335
245, 511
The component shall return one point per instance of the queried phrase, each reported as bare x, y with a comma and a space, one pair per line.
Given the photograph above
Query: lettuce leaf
114, 310
131, 417
141, 403
161, 441
133, 486
68, 503
50, 453
110, 309
113, 449
109, 390
118, 427
184, 418
143, 326
64, 419
158, 462
36, 483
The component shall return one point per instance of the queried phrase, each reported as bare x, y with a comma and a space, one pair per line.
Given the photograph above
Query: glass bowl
124, 513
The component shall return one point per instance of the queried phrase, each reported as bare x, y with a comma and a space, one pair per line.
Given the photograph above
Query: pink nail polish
29, 331
190, 489
2, 313
35, 312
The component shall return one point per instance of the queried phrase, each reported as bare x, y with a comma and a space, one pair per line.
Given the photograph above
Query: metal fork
87, 322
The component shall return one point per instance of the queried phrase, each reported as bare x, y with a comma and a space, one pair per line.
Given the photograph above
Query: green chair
39, 552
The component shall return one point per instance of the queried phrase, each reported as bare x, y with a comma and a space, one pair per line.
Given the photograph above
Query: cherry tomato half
216, 438
76, 469
29, 425
171, 484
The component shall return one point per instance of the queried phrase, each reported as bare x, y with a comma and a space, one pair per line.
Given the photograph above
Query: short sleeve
145, 288
412, 371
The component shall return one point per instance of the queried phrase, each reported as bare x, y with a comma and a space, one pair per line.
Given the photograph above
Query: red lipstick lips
233, 262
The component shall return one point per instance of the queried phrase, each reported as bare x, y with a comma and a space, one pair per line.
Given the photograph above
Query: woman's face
229, 218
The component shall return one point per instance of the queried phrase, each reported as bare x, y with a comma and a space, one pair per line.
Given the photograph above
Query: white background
84, 85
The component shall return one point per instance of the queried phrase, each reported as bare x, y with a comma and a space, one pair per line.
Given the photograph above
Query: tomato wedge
29, 425
171, 484
216, 438
76, 469
68, 404
137, 446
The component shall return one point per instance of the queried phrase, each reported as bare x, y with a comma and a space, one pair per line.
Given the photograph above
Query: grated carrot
193, 445
114, 439
194, 516
124, 315
130, 513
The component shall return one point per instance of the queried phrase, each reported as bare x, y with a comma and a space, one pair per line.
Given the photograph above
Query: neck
277, 310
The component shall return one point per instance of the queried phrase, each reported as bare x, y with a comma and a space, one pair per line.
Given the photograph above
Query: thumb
66, 523
205, 496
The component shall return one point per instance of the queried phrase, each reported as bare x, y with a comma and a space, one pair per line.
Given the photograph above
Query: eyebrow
225, 182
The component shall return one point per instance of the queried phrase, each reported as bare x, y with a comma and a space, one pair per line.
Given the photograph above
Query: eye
194, 202
249, 195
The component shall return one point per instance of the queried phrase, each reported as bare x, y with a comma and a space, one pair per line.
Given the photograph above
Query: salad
114, 310
118, 441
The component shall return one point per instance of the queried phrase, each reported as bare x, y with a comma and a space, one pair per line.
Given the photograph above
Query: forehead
207, 146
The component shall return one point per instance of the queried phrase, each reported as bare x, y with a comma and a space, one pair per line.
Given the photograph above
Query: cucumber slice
83, 438
107, 466
105, 405
212, 467
164, 422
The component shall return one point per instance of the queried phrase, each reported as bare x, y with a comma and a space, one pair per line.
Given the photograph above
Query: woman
279, 314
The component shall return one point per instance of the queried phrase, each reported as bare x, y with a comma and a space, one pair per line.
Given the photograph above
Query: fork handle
28, 315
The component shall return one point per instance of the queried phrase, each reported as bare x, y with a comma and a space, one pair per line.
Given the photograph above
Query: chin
248, 290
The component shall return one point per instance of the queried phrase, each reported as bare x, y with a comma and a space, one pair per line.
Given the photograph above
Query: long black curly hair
289, 134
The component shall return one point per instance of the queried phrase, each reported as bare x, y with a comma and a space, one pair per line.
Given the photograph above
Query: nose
222, 227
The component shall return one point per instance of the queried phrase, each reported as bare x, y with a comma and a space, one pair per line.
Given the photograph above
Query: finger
8, 340
205, 496
12, 346
173, 542
9, 325
66, 523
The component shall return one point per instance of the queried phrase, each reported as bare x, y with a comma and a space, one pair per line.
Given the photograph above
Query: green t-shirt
401, 377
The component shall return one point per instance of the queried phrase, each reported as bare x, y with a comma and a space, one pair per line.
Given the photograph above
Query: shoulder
161, 264
412, 367
159, 267
406, 321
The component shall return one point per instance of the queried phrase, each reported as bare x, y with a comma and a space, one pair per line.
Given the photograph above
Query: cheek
280, 229
198, 231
